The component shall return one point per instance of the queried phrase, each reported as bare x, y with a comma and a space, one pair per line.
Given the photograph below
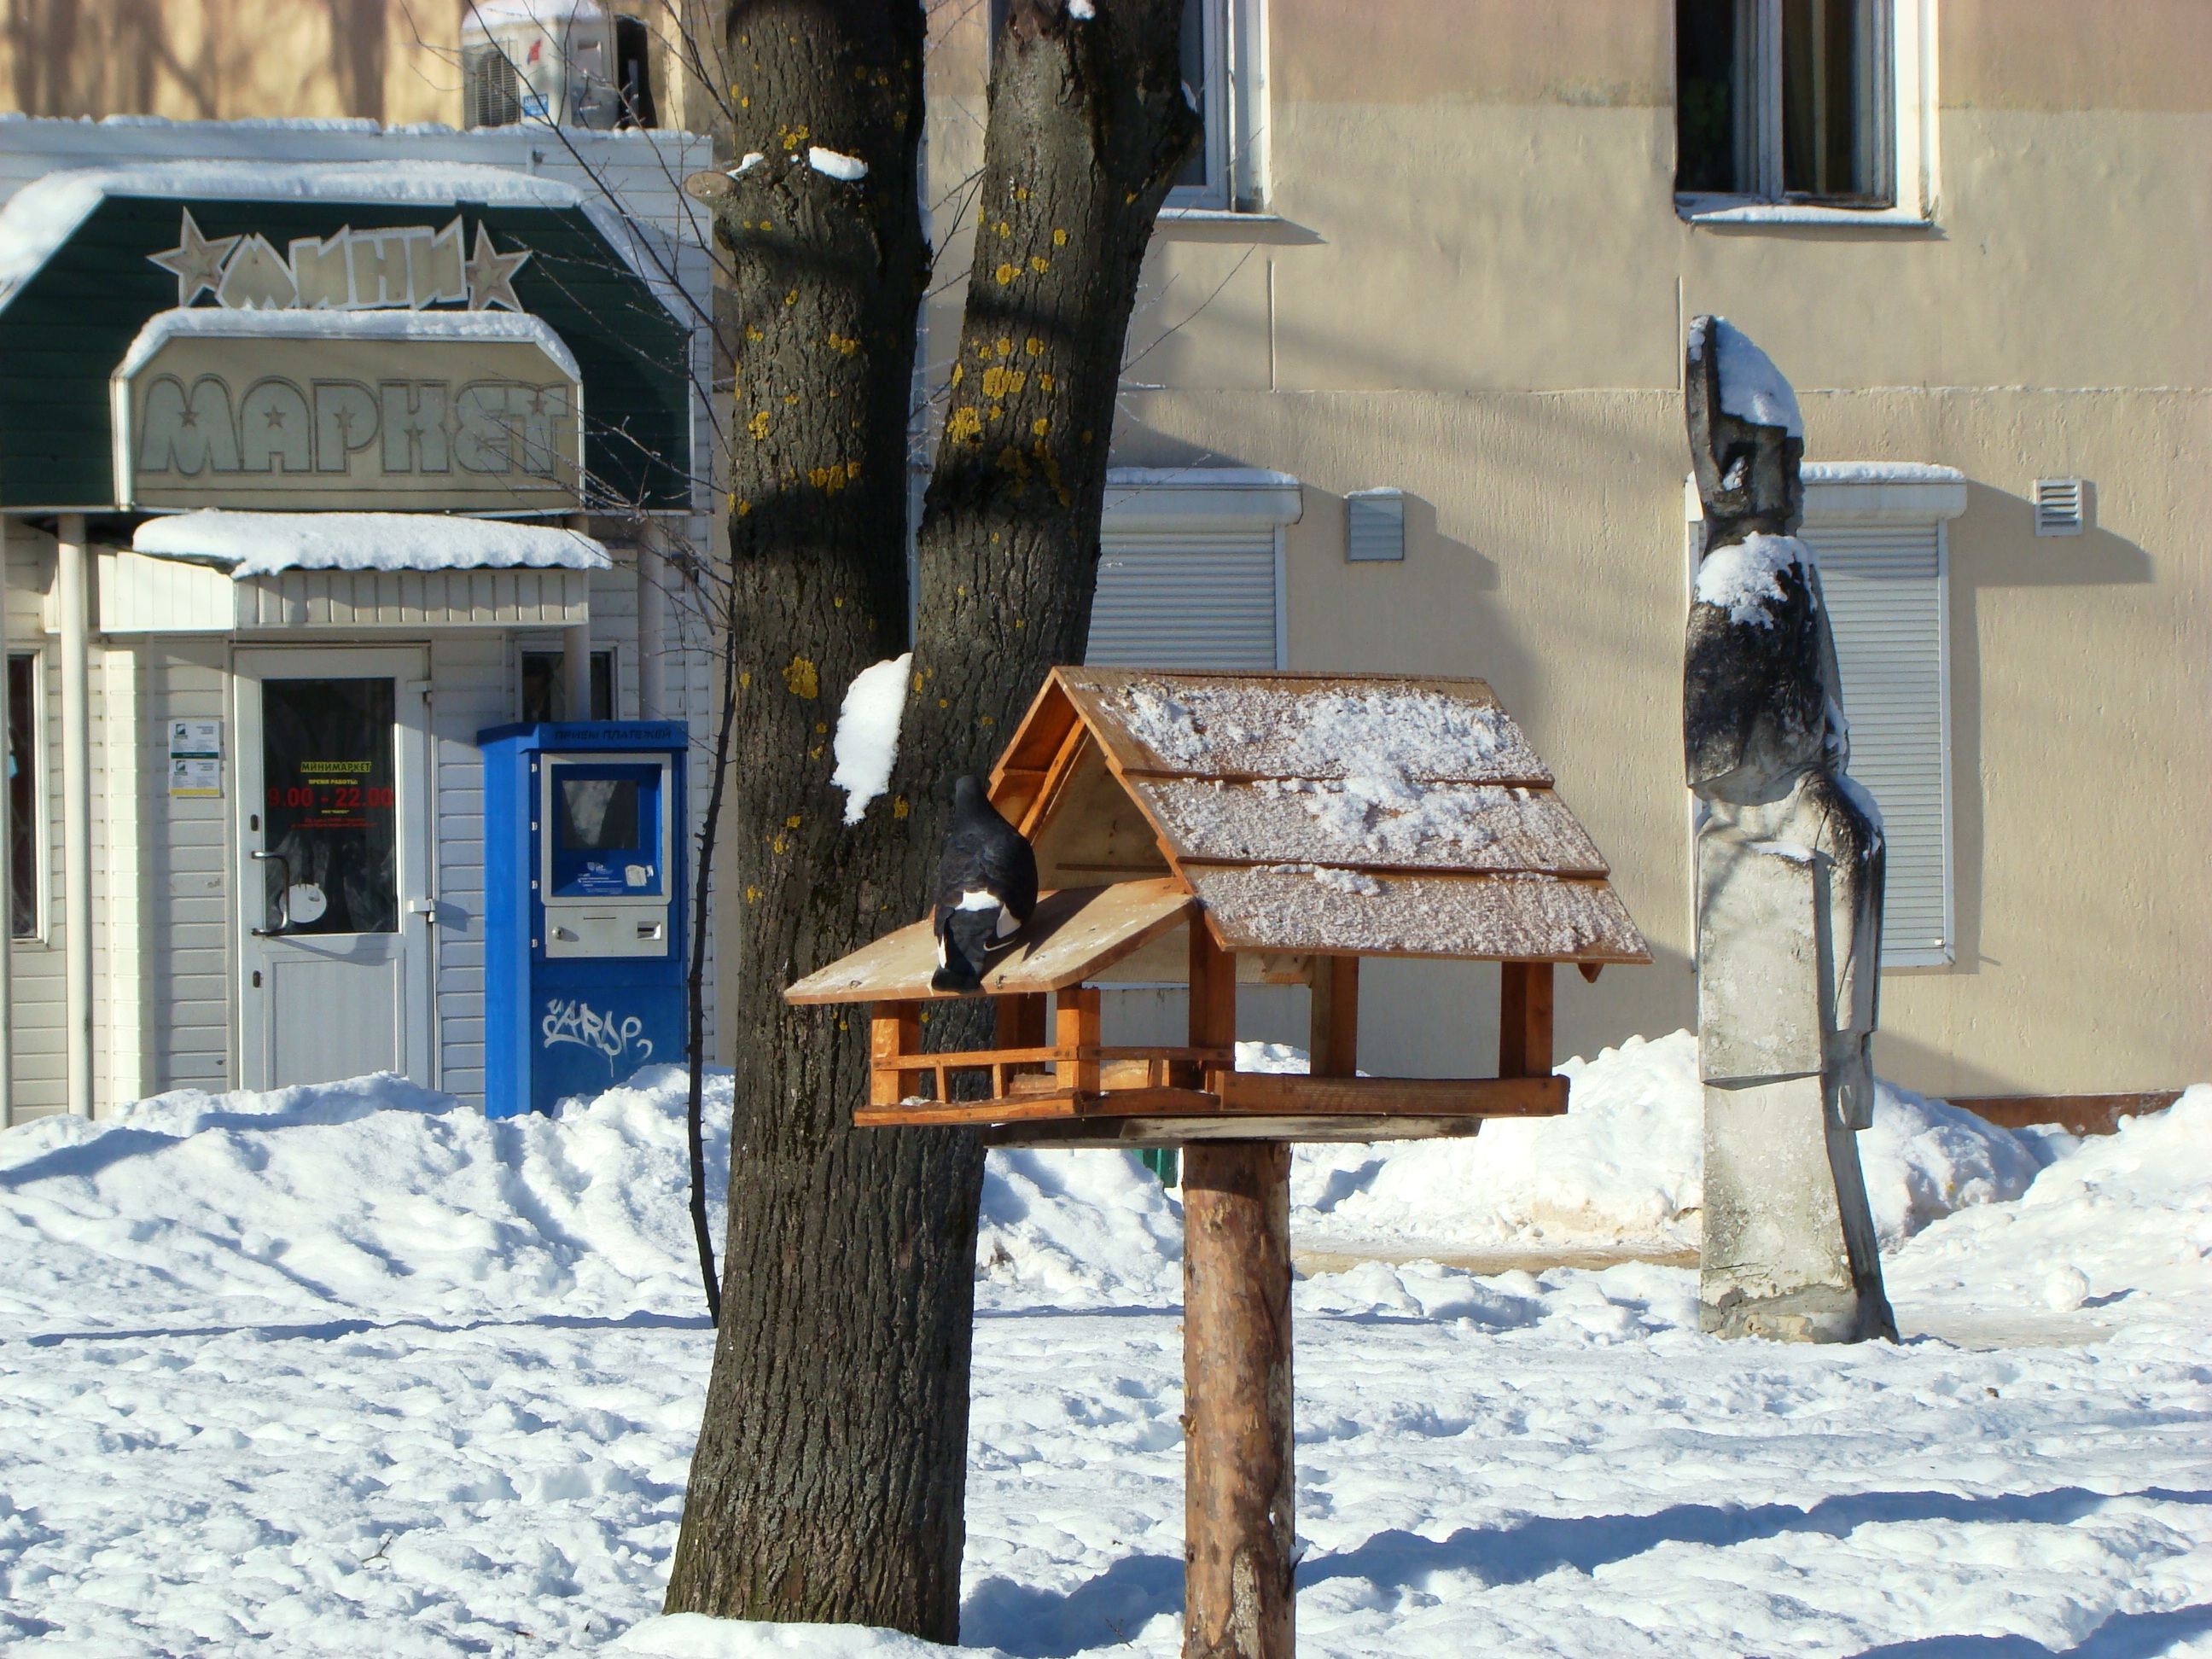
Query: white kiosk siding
185, 880
165, 967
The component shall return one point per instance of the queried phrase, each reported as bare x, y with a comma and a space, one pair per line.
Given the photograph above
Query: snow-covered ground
350, 1370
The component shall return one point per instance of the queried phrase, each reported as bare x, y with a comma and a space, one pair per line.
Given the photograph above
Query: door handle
285, 927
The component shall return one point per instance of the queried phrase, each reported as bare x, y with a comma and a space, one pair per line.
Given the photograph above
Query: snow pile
262, 543
1745, 576
489, 1453
1924, 1159
1624, 1169
2121, 1221
1271, 730
693, 1636
1356, 882
1081, 1229
373, 1197
1752, 388
866, 742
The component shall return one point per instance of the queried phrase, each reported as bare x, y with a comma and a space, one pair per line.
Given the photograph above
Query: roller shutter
1883, 581
1185, 598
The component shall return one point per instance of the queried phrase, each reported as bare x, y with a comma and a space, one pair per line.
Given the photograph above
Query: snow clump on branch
866, 743
836, 165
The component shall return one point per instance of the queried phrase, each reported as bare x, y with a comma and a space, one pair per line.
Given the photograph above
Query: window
545, 698
1190, 569
1816, 104
633, 72
25, 767
1225, 70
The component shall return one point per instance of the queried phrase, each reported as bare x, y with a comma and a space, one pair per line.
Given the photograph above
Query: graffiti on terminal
576, 1021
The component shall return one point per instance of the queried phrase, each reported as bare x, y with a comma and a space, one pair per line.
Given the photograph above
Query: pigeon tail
967, 938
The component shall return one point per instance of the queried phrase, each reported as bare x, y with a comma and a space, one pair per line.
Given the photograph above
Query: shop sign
288, 410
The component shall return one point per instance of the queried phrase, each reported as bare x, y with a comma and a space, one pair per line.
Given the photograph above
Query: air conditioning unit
564, 63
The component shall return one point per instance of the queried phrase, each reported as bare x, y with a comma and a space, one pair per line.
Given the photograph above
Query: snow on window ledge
1720, 210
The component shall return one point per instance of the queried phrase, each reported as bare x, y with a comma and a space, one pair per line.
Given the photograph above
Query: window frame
1234, 109
550, 646
41, 808
1905, 147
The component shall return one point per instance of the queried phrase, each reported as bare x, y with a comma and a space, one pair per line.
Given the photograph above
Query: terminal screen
598, 815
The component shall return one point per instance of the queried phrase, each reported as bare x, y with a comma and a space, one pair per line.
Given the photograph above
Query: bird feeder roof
1336, 814
1073, 934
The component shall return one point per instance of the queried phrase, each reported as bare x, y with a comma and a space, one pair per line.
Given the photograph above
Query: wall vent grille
2059, 507
1375, 525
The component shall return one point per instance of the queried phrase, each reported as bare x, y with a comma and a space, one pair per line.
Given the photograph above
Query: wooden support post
1333, 1028
1238, 1483
1077, 1018
1524, 1019
1238, 1462
894, 1030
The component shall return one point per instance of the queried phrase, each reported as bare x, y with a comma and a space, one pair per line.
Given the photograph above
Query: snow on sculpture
1789, 882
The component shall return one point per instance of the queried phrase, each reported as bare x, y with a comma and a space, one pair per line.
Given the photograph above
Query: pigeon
987, 886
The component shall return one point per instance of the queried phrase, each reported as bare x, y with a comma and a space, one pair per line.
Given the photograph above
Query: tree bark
828, 1483
1088, 129
827, 1480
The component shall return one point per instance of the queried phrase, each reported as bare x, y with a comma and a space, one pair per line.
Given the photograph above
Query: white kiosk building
310, 472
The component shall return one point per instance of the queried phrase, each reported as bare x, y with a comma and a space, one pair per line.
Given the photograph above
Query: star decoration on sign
196, 261
491, 274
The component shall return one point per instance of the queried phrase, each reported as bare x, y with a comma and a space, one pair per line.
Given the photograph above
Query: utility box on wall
585, 945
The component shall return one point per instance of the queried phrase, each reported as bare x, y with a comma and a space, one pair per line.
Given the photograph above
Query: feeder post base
1239, 1482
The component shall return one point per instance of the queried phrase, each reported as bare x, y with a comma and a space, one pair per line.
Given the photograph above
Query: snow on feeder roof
1367, 815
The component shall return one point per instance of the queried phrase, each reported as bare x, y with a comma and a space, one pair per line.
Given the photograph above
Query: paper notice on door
196, 738
196, 757
195, 775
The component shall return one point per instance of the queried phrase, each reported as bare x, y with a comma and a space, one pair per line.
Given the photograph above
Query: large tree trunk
829, 1479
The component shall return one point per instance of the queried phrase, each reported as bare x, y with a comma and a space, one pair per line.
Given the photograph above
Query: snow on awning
166, 325
248, 544
46, 212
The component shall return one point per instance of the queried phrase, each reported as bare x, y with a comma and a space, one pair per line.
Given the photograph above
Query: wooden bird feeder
1204, 829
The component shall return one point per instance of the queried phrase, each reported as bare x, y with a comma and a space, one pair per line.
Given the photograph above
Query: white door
333, 864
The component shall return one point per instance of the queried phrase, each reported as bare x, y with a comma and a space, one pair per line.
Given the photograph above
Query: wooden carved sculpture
1789, 884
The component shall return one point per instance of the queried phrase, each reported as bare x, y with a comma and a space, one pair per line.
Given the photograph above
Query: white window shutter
1883, 581
1189, 600
1189, 569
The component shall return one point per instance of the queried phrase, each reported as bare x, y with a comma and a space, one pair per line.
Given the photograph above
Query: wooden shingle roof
1365, 815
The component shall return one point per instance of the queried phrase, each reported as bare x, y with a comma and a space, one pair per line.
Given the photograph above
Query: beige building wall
393, 61
1472, 284
1474, 289
396, 61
